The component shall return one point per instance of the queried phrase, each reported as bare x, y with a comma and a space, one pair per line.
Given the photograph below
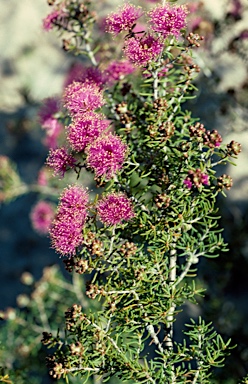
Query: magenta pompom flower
84, 129
83, 97
117, 70
50, 19
42, 215
106, 155
73, 201
75, 73
53, 130
124, 19
42, 178
57, 16
78, 72
49, 122
49, 107
141, 51
95, 76
168, 19
196, 178
60, 161
66, 230
114, 208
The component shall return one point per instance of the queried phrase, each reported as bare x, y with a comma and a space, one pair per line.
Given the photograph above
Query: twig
89, 50
179, 99
111, 242
198, 361
42, 312
170, 316
149, 327
191, 260
87, 369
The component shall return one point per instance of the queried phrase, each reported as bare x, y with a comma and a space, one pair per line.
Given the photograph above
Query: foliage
141, 270
42, 306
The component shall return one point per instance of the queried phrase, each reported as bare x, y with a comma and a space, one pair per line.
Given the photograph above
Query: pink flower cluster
88, 130
85, 129
49, 107
114, 208
124, 19
118, 69
78, 72
106, 155
50, 123
60, 160
164, 20
83, 97
66, 230
58, 16
115, 71
42, 215
50, 19
168, 19
196, 178
43, 177
140, 51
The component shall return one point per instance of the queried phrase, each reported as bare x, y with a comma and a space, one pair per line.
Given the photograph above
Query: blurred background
33, 67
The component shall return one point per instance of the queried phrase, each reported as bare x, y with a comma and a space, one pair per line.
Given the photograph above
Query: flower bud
225, 181
234, 148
